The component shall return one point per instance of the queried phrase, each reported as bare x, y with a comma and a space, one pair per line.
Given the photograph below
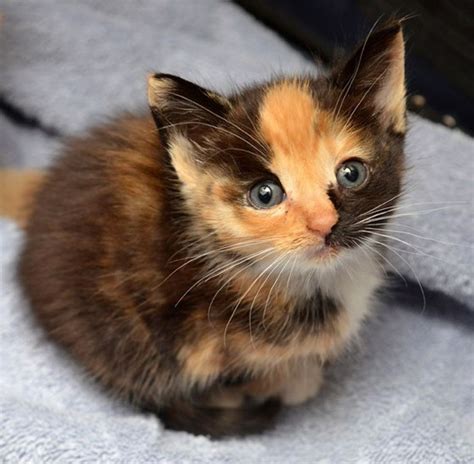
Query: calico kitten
206, 262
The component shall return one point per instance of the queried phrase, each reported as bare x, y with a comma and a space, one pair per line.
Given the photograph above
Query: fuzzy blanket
405, 396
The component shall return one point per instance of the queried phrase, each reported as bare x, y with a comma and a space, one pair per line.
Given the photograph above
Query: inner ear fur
375, 76
181, 107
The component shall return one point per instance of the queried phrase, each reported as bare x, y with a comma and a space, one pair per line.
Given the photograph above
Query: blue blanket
404, 395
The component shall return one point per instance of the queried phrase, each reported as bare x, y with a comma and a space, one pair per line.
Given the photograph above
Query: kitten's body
143, 259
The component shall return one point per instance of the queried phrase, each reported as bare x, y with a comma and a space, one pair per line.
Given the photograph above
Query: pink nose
322, 221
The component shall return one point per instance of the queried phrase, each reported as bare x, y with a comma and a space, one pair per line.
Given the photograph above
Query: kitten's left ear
181, 107
375, 76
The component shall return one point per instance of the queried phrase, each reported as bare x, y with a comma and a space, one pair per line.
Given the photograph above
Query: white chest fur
353, 283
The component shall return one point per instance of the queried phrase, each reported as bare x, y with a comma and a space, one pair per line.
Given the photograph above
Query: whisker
216, 272
219, 128
347, 87
237, 305
420, 252
422, 237
234, 246
348, 121
230, 279
362, 246
255, 299
385, 258
213, 126
384, 203
295, 259
288, 315
246, 293
272, 287
192, 102
378, 208
251, 120
413, 272
401, 206
394, 216
210, 253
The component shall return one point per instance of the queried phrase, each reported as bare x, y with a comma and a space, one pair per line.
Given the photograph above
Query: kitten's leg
246, 408
254, 391
222, 411
294, 385
226, 397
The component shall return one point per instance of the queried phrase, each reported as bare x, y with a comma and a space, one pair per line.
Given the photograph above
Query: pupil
265, 194
351, 174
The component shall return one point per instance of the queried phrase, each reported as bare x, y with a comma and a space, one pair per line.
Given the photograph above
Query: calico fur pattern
144, 260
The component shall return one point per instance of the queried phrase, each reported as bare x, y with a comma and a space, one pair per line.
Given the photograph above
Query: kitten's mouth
322, 252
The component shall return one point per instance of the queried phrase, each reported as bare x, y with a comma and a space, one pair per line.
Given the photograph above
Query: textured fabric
436, 217
405, 396
68, 63
24, 147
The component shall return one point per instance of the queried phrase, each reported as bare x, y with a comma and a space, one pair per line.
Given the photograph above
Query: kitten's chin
322, 254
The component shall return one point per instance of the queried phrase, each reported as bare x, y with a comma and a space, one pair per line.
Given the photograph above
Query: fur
144, 258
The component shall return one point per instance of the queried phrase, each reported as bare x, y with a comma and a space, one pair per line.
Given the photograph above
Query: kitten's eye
352, 174
266, 194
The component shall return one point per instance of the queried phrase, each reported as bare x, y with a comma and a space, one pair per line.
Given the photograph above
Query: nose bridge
310, 183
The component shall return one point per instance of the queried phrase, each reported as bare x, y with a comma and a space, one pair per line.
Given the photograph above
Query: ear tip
389, 32
159, 82
153, 77
392, 26
150, 77
152, 80
159, 85
164, 76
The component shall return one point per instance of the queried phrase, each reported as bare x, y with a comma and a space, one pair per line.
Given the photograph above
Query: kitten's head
304, 165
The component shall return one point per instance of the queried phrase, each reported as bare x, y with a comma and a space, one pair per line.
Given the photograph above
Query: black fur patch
218, 422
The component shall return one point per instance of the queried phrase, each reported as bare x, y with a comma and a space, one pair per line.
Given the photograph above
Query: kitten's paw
294, 386
226, 398
303, 384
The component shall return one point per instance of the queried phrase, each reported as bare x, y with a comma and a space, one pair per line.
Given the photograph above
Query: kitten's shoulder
112, 169
116, 138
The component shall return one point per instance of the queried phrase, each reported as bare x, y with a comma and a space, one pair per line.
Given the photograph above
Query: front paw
303, 383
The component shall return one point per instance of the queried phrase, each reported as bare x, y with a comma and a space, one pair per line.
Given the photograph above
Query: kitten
205, 262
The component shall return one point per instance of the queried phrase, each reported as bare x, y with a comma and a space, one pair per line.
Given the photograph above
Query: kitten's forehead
306, 140
288, 116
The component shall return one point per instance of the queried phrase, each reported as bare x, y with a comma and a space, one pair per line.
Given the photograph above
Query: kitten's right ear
180, 107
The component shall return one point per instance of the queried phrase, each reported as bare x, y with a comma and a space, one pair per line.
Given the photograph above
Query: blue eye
266, 194
352, 174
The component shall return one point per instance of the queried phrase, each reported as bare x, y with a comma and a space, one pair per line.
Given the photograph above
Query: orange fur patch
203, 362
17, 192
200, 365
307, 143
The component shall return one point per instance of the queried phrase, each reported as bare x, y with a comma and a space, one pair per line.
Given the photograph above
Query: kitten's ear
181, 107
375, 76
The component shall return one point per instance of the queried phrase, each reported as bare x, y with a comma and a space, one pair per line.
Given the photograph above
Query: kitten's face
294, 167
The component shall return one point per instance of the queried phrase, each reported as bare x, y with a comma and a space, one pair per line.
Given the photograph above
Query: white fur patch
353, 285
